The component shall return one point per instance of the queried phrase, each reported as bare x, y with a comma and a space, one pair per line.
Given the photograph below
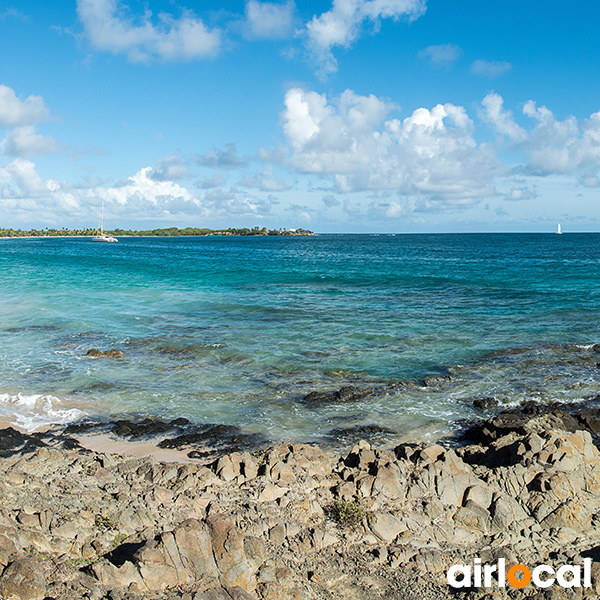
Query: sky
335, 116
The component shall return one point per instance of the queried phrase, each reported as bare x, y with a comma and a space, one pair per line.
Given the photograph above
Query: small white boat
559, 231
102, 237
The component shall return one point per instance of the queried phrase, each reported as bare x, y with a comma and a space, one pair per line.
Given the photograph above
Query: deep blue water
237, 330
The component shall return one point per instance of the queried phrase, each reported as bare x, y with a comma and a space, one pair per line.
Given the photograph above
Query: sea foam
32, 411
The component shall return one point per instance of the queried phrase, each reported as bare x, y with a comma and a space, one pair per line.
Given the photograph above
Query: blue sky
343, 116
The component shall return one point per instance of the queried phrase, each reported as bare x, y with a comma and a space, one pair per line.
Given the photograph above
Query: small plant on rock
347, 513
104, 522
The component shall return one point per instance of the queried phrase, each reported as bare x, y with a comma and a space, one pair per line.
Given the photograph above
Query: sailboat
559, 231
102, 237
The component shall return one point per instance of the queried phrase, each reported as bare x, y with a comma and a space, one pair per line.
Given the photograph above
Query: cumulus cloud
343, 24
268, 20
490, 69
265, 181
26, 142
22, 117
170, 168
381, 210
23, 193
494, 113
550, 146
15, 112
107, 27
430, 154
556, 146
143, 191
330, 200
237, 203
215, 180
223, 159
521, 192
441, 56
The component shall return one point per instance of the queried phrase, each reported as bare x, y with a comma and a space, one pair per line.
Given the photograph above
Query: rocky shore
294, 521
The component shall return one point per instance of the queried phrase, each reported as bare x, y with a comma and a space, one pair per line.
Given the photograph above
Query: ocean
239, 330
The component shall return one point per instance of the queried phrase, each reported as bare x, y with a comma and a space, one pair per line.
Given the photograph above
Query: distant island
164, 232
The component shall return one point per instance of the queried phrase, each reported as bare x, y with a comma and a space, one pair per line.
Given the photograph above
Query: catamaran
102, 237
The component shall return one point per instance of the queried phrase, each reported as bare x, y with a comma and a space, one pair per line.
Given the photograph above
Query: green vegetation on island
161, 232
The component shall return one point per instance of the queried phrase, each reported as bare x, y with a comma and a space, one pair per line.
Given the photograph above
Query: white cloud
381, 210
236, 203
557, 146
26, 196
21, 179
431, 154
142, 189
551, 146
107, 28
521, 192
494, 113
25, 142
15, 112
170, 168
215, 180
342, 24
441, 56
223, 159
490, 69
268, 20
265, 181
330, 200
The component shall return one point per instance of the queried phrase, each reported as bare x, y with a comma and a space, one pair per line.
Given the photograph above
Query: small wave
33, 411
585, 346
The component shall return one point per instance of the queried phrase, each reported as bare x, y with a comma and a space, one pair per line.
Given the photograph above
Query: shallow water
237, 330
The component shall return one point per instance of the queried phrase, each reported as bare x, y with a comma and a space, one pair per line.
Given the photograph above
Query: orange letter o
514, 581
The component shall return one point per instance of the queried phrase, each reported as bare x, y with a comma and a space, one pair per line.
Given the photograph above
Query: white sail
559, 231
102, 237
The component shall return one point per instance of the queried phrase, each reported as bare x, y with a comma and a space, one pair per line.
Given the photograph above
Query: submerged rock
345, 394
146, 427
225, 438
359, 432
112, 353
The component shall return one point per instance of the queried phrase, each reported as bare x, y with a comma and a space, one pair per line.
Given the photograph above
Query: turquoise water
238, 330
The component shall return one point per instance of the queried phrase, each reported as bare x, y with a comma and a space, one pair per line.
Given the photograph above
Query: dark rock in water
345, 394
318, 397
349, 393
126, 428
81, 427
112, 353
359, 432
223, 437
434, 380
483, 403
